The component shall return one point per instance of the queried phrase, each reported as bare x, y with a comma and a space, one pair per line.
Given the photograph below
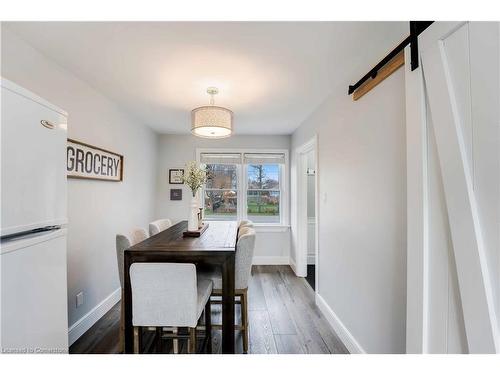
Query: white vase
193, 214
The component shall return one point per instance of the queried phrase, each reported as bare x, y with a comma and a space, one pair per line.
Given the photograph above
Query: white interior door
453, 151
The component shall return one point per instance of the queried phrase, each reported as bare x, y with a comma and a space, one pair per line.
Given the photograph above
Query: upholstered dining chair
245, 223
243, 264
158, 226
169, 295
123, 242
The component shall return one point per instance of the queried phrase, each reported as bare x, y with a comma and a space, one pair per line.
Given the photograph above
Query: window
263, 193
245, 185
221, 192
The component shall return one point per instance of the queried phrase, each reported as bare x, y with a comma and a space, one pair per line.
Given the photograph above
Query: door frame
299, 203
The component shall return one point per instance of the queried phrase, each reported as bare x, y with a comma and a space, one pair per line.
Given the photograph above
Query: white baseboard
340, 329
270, 260
293, 265
89, 319
294, 268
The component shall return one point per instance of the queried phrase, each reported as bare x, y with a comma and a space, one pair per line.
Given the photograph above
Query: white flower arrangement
195, 176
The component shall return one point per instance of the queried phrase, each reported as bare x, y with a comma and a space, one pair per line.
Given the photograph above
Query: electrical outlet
79, 299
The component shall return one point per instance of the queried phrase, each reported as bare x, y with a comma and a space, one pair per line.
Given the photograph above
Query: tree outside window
263, 193
221, 197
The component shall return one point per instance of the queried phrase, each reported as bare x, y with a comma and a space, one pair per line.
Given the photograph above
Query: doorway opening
311, 217
306, 213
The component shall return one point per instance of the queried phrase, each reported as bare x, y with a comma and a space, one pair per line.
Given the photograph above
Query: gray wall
176, 150
362, 211
97, 210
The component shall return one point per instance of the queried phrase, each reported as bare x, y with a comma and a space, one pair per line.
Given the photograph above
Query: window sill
271, 228
265, 228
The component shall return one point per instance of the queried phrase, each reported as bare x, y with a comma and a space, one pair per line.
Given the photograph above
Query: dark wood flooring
284, 319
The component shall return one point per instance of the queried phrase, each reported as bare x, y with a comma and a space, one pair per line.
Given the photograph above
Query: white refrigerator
33, 287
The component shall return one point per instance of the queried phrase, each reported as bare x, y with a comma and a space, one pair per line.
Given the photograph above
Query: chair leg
192, 341
208, 326
176, 342
137, 340
244, 320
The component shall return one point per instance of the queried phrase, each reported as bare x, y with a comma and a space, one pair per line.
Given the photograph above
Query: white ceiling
272, 75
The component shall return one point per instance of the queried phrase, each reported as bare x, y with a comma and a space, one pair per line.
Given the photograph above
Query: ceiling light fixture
212, 121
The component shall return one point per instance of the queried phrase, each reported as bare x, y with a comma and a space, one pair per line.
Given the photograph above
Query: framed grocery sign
91, 162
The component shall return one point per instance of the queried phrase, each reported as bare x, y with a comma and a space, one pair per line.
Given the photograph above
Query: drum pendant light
212, 121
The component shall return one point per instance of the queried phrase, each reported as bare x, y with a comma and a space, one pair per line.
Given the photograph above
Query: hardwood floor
283, 320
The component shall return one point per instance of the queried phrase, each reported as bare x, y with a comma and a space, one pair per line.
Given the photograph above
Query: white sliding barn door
453, 161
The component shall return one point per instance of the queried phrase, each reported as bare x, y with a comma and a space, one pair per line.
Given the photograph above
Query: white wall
311, 163
97, 210
311, 240
362, 218
176, 150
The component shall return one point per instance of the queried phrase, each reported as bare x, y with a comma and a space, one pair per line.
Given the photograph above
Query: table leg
127, 305
228, 305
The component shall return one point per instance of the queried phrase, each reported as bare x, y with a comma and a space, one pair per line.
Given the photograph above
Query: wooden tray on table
195, 233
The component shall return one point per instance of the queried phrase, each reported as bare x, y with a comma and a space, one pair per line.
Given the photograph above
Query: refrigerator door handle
47, 124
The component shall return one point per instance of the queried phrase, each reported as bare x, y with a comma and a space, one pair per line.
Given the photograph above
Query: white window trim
284, 223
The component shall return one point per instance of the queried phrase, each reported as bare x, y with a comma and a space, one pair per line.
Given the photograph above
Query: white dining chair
123, 242
245, 223
158, 226
243, 264
169, 295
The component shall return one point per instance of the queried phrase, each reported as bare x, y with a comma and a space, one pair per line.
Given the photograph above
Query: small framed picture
175, 176
175, 194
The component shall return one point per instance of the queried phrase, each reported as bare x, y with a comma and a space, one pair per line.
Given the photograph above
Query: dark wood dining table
215, 247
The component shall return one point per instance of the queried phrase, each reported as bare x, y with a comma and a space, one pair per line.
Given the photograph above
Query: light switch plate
79, 299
